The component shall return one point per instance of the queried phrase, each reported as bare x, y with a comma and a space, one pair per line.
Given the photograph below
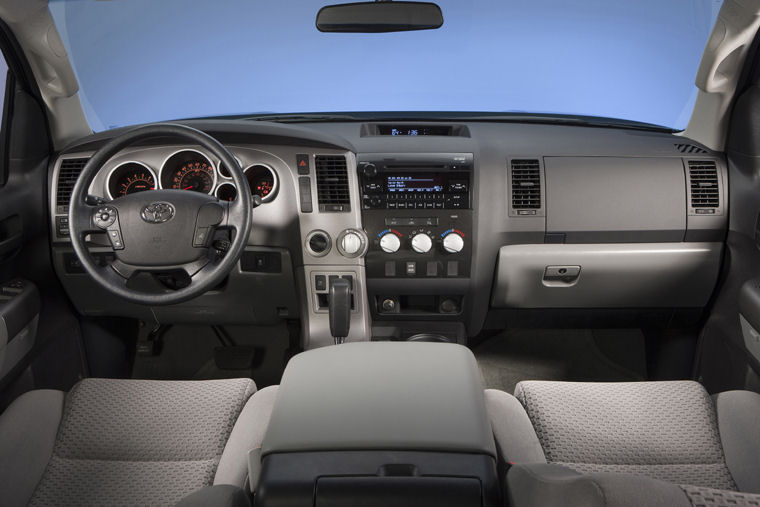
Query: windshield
139, 61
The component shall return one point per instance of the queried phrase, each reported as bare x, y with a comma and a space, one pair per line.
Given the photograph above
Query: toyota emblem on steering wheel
158, 212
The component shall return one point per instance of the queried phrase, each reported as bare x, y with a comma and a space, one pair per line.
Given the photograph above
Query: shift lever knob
340, 309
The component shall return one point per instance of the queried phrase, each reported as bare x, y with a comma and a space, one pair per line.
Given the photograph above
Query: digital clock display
414, 130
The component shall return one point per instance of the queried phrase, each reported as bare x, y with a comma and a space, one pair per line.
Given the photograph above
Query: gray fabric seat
638, 443
129, 442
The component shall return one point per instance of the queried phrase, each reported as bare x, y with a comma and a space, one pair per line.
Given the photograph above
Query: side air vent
332, 183
67, 177
526, 186
703, 182
690, 149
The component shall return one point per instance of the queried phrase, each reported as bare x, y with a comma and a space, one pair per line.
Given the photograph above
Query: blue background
150, 60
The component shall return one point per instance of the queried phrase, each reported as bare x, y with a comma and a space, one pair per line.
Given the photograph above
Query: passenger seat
627, 444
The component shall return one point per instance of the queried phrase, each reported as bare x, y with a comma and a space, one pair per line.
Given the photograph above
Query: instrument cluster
193, 171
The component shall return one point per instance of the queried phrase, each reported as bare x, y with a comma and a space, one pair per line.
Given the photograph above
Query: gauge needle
188, 188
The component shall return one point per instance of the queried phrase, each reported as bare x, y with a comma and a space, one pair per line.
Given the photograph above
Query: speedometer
197, 176
188, 170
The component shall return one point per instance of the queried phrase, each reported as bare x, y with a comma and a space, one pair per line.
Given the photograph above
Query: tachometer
129, 178
188, 170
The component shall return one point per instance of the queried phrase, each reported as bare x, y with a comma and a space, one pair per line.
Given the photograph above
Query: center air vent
703, 182
68, 173
526, 186
332, 183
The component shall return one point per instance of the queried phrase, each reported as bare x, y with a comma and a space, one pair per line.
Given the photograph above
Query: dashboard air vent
332, 183
690, 149
703, 180
526, 186
67, 177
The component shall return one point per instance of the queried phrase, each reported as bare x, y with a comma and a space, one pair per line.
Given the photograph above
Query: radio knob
375, 201
421, 243
369, 170
453, 242
390, 243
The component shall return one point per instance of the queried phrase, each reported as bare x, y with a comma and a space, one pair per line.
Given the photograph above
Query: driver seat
131, 442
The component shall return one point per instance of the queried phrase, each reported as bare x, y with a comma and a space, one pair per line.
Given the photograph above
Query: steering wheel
160, 230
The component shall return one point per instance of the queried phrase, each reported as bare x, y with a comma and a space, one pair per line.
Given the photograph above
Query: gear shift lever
340, 309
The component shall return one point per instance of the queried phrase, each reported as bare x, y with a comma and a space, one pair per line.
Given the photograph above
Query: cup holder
429, 337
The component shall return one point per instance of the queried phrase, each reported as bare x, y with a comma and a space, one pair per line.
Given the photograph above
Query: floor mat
561, 354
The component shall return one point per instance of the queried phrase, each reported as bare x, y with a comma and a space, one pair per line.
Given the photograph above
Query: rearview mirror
380, 16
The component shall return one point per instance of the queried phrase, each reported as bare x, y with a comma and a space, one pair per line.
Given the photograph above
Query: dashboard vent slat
68, 174
332, 183
526, 184
703, 182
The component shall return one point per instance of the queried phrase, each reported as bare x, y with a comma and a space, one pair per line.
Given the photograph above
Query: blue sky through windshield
145, 60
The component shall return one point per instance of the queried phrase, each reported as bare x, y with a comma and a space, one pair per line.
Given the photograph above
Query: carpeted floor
561, 354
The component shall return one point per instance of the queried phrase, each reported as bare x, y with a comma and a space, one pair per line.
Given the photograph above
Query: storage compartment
409, 428
377, 478
635, 275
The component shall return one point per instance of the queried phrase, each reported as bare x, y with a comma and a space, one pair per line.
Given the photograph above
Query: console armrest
381, 396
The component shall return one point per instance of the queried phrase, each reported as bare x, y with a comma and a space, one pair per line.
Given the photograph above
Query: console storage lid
381, 396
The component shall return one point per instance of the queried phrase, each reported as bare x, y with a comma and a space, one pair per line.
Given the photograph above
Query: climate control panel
423, 247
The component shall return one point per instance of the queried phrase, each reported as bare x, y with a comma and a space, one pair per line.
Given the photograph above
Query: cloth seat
130, 442
634, 443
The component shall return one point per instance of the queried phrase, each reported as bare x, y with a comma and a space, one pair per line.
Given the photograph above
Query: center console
417, 210
392, 436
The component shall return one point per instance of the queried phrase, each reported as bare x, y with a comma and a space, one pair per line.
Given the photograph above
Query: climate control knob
453, 242
390, 243
421, 243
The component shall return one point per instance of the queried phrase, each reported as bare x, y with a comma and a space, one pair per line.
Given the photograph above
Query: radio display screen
422, 183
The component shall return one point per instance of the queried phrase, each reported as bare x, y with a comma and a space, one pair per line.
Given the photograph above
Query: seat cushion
139, 441
662, 430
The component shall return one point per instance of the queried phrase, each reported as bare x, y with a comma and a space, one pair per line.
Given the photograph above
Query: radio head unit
416, 181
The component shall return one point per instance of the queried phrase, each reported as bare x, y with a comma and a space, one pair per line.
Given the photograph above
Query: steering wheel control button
352, 243
201, 237
115, 237
104, 217
422, 243
157, 212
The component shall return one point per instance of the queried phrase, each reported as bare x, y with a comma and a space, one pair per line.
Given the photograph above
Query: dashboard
441, 228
